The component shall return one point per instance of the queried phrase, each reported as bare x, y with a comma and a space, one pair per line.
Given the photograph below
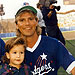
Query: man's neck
31, 41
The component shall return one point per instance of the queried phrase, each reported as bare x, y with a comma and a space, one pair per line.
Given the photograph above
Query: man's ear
16, 26
7, 55
37, 20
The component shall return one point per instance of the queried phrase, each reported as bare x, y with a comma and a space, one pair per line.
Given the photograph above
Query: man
2, 49
40, 18
51, 22
44, 54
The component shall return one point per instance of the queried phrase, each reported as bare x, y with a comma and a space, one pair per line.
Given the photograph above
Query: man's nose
27, 22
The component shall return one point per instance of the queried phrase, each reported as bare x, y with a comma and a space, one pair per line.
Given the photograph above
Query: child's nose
18, 55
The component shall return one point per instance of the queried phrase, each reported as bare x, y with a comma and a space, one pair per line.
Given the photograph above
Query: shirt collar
35, 46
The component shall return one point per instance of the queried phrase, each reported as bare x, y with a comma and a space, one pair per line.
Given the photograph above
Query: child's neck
17, 66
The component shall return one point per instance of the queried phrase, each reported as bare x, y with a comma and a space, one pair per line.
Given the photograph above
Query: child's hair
10, 44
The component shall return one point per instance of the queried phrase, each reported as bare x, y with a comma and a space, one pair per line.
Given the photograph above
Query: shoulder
50, 39
2, 70
26, 66
51, 42
39, 11
27, 70
0, 39
2, 46
2, 42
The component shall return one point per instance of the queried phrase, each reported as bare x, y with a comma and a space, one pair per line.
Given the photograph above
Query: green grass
5, 39
70, 45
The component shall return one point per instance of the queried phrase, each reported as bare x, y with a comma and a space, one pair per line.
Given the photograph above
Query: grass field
70, 45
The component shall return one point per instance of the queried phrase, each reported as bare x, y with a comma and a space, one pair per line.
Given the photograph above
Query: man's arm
66, 12
73, 71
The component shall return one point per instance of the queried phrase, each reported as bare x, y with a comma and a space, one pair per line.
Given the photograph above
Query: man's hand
73, 71
49, 14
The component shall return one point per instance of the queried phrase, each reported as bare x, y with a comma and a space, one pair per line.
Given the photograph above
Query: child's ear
7, 55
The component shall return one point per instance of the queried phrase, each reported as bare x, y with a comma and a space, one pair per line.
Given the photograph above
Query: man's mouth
28, 28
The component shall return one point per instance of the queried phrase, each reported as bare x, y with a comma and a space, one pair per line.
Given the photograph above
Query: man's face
16, 55
27, 24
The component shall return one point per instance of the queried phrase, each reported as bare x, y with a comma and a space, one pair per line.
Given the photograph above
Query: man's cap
26, 8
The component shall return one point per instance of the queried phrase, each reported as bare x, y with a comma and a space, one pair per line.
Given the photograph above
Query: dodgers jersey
47, 55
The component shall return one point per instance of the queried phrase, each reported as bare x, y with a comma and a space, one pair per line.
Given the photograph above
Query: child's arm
73, 71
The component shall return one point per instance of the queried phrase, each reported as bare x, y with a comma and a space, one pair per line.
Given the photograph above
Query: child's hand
73, 71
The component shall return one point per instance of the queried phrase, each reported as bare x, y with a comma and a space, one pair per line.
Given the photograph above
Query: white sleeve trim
70, 67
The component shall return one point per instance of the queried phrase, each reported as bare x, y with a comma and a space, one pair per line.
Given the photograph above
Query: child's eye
22, 52
14, 52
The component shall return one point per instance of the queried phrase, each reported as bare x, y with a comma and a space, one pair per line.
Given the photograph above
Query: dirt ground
70, 35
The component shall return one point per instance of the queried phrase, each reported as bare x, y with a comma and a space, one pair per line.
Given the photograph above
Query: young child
14, 57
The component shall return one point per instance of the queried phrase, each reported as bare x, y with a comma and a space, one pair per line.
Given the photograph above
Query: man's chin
27, 35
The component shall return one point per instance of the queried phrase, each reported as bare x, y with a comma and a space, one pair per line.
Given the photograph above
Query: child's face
16, 55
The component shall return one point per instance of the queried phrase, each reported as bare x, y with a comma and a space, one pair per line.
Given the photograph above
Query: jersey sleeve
2, 46
2, 49
65, 58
